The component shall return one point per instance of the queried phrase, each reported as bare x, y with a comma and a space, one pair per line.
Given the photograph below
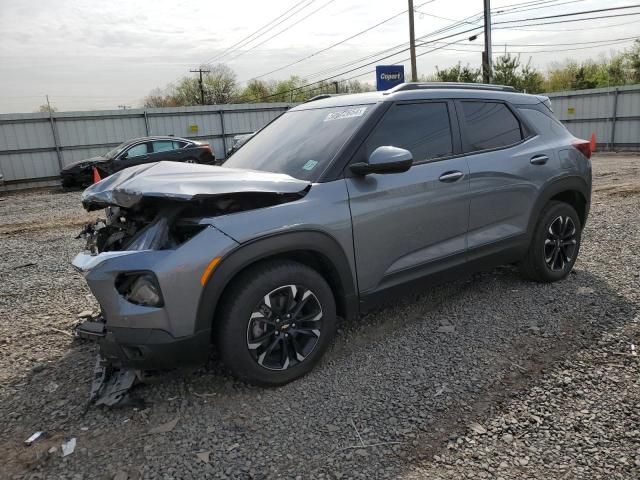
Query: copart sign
388, 76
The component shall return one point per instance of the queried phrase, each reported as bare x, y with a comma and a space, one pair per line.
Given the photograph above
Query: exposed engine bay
156, 224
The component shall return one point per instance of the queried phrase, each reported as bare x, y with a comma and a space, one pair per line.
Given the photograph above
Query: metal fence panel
613, 114
34, 145
31, 154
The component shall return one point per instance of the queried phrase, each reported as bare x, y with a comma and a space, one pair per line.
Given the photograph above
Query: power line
536, 7
405, 49
455, 24
352, 62
568, 14
367, 64
558, 44
570, 20
591, 27
268, 25
596, 44
282, 31
317, 52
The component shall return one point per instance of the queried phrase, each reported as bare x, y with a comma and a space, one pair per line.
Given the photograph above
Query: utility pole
200, 71
412, 42
487, 59
335, 84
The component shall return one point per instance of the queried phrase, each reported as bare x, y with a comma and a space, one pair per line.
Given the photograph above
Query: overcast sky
91, 54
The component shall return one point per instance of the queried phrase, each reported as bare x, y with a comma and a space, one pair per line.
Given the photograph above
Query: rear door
405, 223
166, 150
505, 159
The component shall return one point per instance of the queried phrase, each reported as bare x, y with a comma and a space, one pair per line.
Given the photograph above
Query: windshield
300, 143
114, 153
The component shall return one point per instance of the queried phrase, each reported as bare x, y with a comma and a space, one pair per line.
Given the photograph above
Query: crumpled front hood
183, 182
88, 162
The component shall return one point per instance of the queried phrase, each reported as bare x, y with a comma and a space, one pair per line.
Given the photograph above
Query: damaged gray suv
322, 214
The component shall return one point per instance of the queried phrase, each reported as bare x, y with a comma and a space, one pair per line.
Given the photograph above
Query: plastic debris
477, 428
69, 446
203, 456
111, 386
33, 438
447, 329
51, 387
165, 427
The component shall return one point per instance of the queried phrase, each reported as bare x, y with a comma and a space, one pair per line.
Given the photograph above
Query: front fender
261, 248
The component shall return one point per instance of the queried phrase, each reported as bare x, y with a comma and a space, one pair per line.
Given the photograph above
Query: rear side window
490, 125
164, 146
421, 128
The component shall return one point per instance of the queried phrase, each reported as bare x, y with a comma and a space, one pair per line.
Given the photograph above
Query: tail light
584, 146
207, 147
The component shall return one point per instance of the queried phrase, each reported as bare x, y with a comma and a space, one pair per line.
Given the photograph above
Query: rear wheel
555, 244
277, 320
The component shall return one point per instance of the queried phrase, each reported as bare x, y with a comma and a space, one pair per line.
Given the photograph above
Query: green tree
633, 62
220, 85
46, 108
458, 73
505, 70
255, 91
530, 80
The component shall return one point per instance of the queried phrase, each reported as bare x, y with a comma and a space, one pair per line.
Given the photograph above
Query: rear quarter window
489, 125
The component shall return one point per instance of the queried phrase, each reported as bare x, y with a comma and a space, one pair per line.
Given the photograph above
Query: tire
555, 244
256, 340
191, 160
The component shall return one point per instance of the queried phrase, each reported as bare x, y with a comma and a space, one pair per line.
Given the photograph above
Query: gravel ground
525, 381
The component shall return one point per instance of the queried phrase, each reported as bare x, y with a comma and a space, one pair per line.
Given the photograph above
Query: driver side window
137, 151
422, 128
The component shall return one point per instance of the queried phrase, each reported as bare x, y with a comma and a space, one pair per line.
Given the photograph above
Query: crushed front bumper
144, 348
152, 337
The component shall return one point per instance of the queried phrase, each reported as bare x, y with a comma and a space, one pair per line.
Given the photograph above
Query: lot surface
535, 381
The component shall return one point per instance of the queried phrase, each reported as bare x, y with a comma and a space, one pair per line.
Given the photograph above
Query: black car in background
136, 152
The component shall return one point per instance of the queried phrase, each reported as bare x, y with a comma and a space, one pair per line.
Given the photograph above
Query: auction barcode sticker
348, 113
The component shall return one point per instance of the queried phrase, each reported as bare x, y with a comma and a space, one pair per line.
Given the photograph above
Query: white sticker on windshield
310, 165
348, 113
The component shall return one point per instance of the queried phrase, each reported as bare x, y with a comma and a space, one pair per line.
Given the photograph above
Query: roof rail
451, 85
319, 97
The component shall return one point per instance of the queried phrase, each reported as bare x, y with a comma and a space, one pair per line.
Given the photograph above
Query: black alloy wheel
284, 327
560, 244
276, 320
555, 244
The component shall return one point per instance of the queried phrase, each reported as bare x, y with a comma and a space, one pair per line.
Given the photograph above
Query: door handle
539, 160
451, 176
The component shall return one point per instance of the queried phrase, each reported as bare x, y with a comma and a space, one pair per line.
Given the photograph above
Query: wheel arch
572, 190
315, 249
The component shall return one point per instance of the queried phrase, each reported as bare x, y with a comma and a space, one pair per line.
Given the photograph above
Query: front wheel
277, 320
555, 244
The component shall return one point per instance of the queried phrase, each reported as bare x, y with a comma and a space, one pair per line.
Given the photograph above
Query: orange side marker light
209, 270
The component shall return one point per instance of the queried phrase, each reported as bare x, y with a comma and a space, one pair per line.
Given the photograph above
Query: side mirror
385, 159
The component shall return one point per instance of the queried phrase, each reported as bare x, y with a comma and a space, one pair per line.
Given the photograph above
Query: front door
404, 224
134, 155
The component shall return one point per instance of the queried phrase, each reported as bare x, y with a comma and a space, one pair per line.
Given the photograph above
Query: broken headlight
140, 288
